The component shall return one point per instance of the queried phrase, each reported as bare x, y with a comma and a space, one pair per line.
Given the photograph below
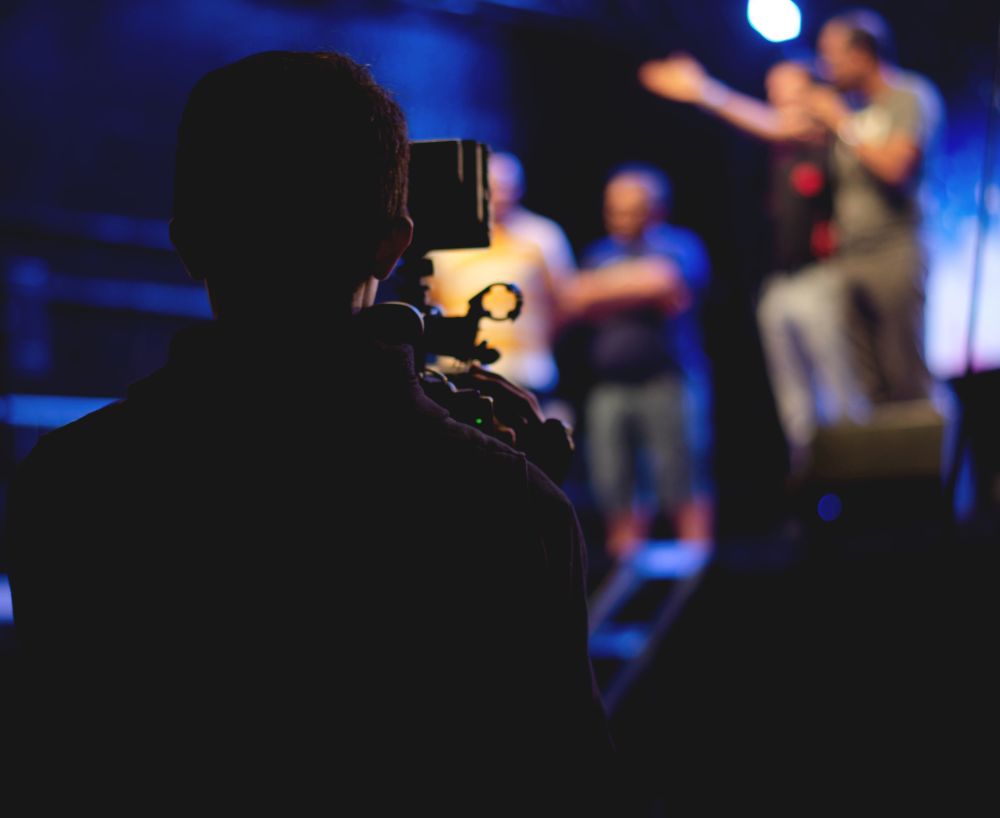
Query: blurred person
803, 308
506, 192
884, 124
223, 582
639, 290
526, 249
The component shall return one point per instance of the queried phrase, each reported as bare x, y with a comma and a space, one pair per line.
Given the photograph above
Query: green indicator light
479, 421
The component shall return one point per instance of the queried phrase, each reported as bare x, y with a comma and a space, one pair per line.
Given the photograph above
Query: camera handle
397, 322
454, 336
549, 444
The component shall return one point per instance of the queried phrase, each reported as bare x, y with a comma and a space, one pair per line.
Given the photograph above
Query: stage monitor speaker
900, 440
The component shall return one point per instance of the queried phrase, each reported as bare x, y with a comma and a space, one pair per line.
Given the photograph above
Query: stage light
775, 20
829, 507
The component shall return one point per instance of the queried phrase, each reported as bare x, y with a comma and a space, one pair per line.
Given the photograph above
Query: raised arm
681, 78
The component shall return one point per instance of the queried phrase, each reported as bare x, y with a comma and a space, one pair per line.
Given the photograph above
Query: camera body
449, 203
449, 195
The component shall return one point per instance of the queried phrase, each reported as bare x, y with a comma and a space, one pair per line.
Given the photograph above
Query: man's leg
789, 376
666, 408
900, 336
820, 310
612, 468
890, 290
695, 517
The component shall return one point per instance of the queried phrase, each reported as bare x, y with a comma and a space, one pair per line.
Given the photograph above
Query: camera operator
238, 559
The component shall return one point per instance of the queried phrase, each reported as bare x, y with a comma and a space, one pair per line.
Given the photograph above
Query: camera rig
449, 204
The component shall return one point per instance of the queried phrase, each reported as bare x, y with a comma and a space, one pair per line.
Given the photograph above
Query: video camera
449, 203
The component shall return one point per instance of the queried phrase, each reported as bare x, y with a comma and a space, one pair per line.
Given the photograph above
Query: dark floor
840, 678
821, 668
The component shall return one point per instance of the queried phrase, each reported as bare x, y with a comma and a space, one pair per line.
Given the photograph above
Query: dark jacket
248, 554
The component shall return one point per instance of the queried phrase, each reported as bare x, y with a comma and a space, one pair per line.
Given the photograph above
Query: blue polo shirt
639, 344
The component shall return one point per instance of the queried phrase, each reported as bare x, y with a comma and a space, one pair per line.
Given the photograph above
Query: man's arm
681, 78
568, 689
893, 160
649, 281
558, 252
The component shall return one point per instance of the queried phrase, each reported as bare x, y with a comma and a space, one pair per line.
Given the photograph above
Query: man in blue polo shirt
640, 292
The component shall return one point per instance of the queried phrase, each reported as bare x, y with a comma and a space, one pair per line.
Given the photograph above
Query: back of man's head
291, 168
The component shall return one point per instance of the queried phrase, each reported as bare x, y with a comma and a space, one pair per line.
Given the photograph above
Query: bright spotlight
775, 20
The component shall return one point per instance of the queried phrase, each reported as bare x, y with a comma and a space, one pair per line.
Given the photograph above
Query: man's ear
185, 248
392, 246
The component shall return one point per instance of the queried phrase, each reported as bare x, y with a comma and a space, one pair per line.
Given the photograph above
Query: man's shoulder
682, 245
451, 444
914, 85
87, 437
913, 95
535, 223
672, 236
70, 467
602, 251
100, 441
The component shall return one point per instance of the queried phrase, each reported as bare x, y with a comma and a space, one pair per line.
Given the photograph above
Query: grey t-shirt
868, 213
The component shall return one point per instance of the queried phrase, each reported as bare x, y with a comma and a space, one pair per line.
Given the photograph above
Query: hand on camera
519, 422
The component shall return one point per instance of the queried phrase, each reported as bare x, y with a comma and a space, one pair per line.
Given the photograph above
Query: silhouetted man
234, 569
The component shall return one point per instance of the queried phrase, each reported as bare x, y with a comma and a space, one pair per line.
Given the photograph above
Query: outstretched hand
679, 77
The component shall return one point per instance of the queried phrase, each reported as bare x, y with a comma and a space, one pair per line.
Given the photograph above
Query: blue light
47, 411
6, 605
775, 20
670, 559
626, 642
829, 507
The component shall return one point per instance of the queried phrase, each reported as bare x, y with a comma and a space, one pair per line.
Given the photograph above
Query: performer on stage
803, 305
881, 124
883, 132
